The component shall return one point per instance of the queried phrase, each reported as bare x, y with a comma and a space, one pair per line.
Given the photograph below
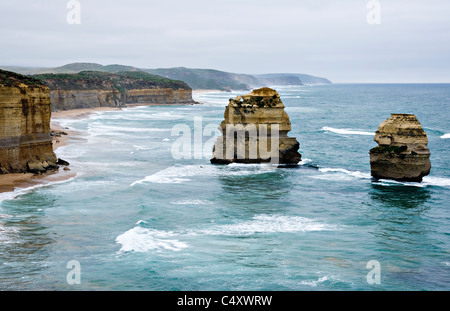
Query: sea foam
346, 131
269, 224
144, 240
140, 239
356, 174
182, 173
426, 181
22, 191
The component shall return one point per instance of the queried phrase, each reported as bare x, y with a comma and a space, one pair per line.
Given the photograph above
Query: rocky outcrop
25, 111
402, 153
255, 130
90, 89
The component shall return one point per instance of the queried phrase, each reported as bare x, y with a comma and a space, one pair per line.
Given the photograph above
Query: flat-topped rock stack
402, 153
254, 130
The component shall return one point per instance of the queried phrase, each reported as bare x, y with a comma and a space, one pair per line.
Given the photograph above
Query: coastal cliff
90, 89
402, 153
25, 111
254, 130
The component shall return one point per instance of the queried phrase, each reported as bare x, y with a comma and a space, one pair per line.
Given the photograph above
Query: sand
10, 182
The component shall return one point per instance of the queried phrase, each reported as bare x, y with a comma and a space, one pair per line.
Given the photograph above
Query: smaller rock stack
402, 153
254, 130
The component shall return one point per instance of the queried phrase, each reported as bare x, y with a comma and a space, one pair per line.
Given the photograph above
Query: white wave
436, 181
109, 129
304, 161
7, 234
269, 224
426, 181
139, 239
314, 283
181, 174
191, 202
6, 196
144, 240
172, 175
356, 174
346, 131
133, 116
141, 147
445, 136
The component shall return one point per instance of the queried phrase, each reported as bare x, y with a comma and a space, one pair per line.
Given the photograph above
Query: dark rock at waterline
62, 162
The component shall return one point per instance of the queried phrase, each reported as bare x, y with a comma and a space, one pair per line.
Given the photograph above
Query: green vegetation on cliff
122, 81
206, 78
9, 78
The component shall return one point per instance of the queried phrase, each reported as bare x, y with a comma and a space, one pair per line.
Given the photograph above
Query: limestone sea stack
402, 153
25, 111
254, 130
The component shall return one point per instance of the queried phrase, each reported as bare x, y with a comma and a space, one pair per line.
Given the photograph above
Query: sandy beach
10, 182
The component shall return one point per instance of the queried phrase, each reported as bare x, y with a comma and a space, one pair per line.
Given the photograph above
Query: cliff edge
25, 111
92, 89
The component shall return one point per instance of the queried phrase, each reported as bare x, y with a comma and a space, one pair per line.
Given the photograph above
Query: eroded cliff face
254, 130
100, 89
159, 96
402, 153
25, 112
76, 99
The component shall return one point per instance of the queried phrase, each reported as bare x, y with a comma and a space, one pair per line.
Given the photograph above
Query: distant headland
206, 79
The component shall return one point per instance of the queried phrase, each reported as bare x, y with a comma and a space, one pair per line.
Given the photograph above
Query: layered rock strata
25, 111
254, 130
402, 153
90, 89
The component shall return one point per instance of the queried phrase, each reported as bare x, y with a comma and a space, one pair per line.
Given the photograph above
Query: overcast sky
326, 38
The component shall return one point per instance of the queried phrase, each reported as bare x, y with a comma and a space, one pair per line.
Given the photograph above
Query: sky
340, 40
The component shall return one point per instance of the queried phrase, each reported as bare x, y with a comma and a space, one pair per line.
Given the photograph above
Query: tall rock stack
25, 111
254, 130
402, 153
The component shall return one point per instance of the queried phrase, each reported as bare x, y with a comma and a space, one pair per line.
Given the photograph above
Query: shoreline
16, 181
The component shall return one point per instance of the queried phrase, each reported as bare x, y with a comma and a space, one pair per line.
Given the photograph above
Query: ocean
140, 216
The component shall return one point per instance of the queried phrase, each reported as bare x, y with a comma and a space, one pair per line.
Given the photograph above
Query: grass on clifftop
9, 78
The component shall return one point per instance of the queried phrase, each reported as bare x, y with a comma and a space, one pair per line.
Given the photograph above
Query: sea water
137, 218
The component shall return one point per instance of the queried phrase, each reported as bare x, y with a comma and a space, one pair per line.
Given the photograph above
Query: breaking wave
346, 131
140, 239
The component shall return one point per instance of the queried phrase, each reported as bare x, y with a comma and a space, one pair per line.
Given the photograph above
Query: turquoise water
135, 218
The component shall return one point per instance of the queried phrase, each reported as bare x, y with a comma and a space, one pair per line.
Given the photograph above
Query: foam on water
191, 202
346, 131
105, 129
179, 174
22, 191
355, 174
269, 224
445, 136
7, 233
140, 239
314, 283
144, 240
426, 181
